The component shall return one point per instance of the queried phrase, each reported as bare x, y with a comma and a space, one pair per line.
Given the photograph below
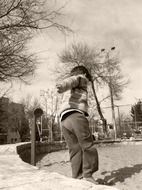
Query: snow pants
83, 154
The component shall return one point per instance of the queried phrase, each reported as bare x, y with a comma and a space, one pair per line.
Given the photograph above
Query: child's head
81, 70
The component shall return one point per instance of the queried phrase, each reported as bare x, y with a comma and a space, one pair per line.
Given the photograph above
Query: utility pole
110, 86
135, 117
112, 108
119, 120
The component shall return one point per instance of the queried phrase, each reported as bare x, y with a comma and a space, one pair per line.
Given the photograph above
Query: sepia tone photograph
70, 95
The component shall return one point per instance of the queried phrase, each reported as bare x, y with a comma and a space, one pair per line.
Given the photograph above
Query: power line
118, 106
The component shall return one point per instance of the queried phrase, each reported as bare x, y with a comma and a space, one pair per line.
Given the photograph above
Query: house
11, 117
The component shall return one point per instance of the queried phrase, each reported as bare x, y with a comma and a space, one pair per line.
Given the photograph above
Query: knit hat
81, 70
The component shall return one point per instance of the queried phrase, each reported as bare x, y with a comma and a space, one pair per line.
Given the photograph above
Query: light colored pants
83, 154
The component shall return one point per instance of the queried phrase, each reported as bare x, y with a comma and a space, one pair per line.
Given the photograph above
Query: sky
101, 23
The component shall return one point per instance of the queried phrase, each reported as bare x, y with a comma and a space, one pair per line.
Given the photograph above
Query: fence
125, 126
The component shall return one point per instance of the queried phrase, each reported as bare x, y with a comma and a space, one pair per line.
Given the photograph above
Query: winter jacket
75, 93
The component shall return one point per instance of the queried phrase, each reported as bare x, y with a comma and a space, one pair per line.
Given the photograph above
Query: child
75, 126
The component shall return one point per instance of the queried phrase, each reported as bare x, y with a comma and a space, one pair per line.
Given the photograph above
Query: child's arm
67, 84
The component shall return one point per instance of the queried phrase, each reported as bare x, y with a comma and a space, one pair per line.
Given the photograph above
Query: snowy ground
120, 165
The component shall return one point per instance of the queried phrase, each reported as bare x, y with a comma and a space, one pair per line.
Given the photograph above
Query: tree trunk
99, 108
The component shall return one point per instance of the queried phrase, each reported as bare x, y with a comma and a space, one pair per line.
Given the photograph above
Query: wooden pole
112, 108
37, 114
33, 143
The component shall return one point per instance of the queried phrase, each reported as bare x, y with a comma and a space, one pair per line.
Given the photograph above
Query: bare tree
103, 69
5, 89
19, 20
81, 54
110, 72
30, 104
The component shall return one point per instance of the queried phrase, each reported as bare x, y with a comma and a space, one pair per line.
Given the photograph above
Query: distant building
3, 120
11, 115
